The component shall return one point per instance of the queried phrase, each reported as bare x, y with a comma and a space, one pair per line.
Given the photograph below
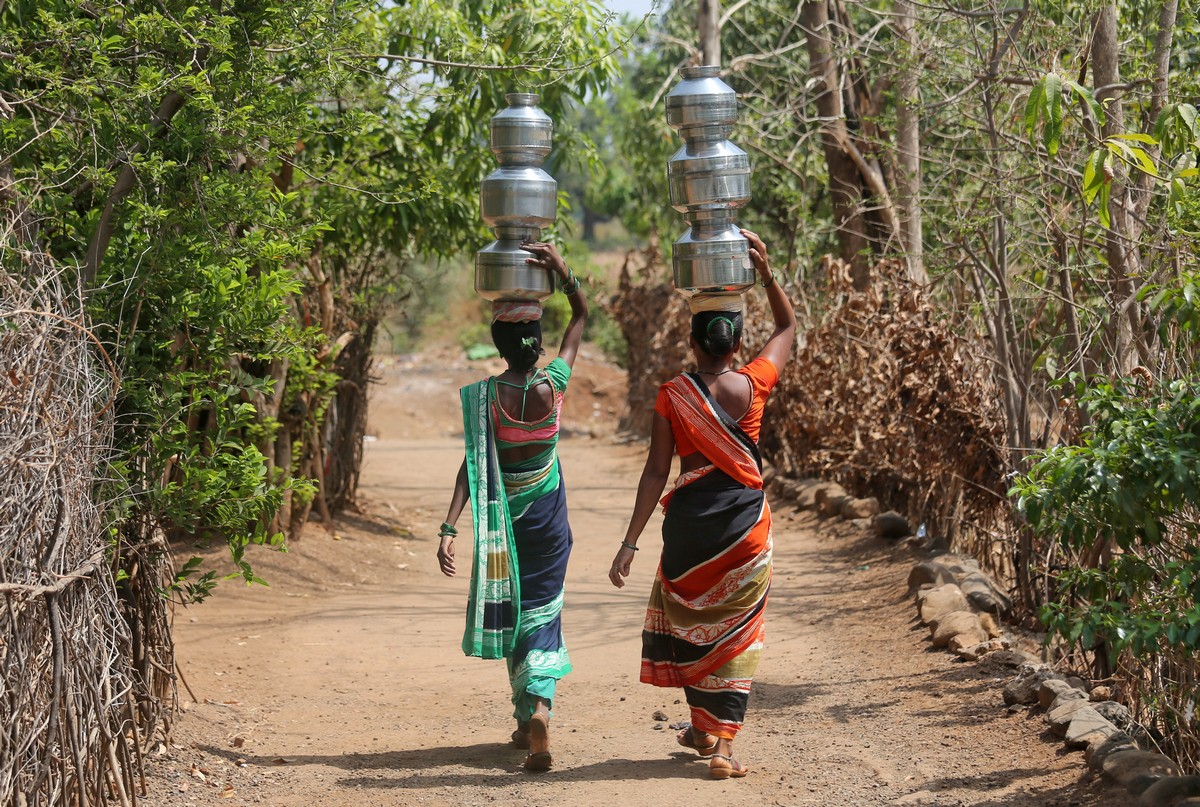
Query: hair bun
717, 332
520, 343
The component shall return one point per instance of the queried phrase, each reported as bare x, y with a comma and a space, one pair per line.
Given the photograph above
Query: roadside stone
1125, 766
934, 603
1051, 688
831, 506
1167, 791
958, 565
1101, 750
1003, 662
952, 624
984, 595
970, 638
978, 651
1078, 683
860, 508
1116, 713
1138, 784
1101, 693
805, 491
891, 525
1063, 711
1069, 696
1024, 687
930, 573
937, 620
824, 493
1087, 725
971, 653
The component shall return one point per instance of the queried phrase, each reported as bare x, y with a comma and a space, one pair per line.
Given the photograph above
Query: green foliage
1134, 481
190, 242
1178, 129
1137, 464
213, 170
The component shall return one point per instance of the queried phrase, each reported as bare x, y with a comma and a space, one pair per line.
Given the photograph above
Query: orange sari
705, 621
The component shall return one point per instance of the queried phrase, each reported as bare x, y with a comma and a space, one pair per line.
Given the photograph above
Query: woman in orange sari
704, 622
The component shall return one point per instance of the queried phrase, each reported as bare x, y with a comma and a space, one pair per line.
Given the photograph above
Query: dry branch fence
84, 670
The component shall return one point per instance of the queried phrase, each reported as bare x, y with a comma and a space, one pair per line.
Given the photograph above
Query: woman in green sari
512, 477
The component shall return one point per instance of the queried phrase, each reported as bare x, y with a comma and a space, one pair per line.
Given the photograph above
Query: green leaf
1089, 98
1033, 106
1138, 137
1134, 156
1093, 174
1145, 162
1052, 136
1188, 115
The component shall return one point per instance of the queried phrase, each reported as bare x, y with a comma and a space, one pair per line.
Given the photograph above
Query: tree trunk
710, 31
845, 183
1163, 43
908, 141
1120, 250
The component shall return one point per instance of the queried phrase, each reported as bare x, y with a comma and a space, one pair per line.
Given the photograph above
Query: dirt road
343, 684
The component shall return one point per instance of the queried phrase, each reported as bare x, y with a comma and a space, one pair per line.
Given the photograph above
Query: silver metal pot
701, 106
708, 180
712, 258
521, 133
517, 200
502, 275
520, 196
708, 175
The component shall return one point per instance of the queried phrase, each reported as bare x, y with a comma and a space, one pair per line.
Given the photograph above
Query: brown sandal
687, 738
728, 768
520, 739
539, 759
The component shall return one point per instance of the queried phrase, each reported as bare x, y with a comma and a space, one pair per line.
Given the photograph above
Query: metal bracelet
629, 546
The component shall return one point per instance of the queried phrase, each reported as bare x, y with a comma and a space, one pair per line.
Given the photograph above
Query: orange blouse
763, 377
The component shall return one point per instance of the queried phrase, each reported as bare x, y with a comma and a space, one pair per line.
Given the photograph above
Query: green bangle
447, 529
765, 284
629, 546
574, 281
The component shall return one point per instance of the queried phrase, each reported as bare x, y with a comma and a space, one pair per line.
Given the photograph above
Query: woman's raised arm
547, 257
779, 347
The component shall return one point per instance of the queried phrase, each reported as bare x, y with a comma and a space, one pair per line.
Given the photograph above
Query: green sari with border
522, 543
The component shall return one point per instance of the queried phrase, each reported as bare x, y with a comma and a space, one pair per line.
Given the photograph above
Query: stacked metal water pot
518, 199
709, 180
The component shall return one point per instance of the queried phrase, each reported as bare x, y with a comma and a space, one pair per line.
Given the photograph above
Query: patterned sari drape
704, 623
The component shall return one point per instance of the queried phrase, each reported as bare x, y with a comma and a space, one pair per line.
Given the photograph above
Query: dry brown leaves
655, 322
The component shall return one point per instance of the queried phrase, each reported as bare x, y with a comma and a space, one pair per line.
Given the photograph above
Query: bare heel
539, 758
